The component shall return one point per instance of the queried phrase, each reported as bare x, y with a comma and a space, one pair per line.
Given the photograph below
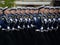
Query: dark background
56, 2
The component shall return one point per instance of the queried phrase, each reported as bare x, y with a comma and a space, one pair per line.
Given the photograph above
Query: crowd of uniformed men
44, 18
30, 26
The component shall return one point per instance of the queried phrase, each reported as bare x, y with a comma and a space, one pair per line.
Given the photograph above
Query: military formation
43, 18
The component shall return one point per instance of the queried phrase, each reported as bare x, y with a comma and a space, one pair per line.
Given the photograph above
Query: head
27, 11
51, 10
6, 11
36, 11
22, 11
18, 11
41, 10
46, 10
13, 11
32, 11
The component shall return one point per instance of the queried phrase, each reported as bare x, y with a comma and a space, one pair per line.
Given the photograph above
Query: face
13, 11
27, 11
22, 11
42, 10
46, 11
36, 11
51, 10
32, 11
7, 11
1, 12
18, 11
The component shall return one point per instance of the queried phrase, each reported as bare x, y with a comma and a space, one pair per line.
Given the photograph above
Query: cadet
27, 18
37, 19
23, 18
36, 11
57, 16
27, 11
33, 17
46, 12
6, 18
19, 17
14, 20
52, 18
42, 16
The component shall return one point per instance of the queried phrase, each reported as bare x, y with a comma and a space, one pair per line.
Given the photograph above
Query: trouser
29, 37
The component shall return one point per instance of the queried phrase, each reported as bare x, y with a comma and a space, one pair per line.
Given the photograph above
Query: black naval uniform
27, 34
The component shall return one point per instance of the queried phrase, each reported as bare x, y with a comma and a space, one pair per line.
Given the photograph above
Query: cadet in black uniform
50, 18
13, 19
46, 12
39, 36
57, 16
54, 19
37, 19
43, 17
32, 18
6, 18
19, 17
